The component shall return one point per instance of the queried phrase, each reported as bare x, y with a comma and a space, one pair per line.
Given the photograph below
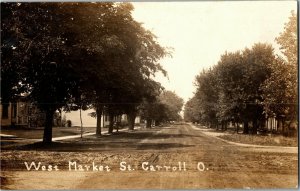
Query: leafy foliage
280, 89
230, 91
250, 85
288, 40
165, 107
78, 54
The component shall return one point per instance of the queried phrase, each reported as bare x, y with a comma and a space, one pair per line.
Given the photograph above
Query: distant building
24, 114
14, 113
21, 113
271, 124
89, 121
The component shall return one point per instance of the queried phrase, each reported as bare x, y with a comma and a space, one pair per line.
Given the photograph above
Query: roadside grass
128, 139
38, 133
267, 140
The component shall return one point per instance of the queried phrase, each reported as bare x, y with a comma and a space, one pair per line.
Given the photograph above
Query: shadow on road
117, 141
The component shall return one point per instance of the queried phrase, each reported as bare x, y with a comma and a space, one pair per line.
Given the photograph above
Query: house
21, 113
271, 124
25, 114
89, 121
15, 114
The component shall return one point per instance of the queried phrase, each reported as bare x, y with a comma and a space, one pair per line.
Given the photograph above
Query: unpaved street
182, 157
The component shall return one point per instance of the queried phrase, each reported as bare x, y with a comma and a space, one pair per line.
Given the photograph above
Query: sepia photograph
149, 95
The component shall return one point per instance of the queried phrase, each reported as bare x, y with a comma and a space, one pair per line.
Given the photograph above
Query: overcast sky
200, 32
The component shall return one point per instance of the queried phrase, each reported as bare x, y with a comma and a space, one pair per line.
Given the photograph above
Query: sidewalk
5, 136
260, 147
13, 137
83, 135
76, 136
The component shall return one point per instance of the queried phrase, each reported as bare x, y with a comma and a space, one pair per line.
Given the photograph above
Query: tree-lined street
160, 95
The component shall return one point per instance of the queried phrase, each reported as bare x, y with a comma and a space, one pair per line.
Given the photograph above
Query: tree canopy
165, 107
62, 53
280, 89
230, 91
250, 85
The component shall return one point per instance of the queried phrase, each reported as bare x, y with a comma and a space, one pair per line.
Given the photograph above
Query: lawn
268, 140
38, 133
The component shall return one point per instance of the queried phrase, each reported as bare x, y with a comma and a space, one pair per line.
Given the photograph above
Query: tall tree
173, 105
230, 91
167, 103
229, 74
40, 50
134, 68
51, 43
207, 95
191, 110
257, 61
288, 40
280, 90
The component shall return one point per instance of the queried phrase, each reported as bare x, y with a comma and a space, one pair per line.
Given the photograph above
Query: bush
69, 123
123, 123
63, 121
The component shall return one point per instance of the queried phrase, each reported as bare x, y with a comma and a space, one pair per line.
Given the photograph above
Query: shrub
69, 123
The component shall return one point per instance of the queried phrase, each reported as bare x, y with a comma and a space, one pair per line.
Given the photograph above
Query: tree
248, 85
134, 67
148, 111
280, 89
207, 96
240, 77
167, 103
173, 104
229, 75
230, 91
39, 50
191, 110
51, 42
280, 93
257, 61
288, 40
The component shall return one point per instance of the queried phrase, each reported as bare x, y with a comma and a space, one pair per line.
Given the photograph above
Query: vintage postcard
149, 95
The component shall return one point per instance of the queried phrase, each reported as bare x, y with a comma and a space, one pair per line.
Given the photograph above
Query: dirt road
176, 157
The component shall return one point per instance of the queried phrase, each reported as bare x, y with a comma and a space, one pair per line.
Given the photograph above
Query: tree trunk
131, 120
48, 126
254, 128
148, 123
277, 125
117, 123
267, 124
60, 113
283, 126
98, 115
237, 127
246, 127
111, 123
81, 127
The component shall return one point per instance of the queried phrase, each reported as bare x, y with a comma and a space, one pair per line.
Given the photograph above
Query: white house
89, 121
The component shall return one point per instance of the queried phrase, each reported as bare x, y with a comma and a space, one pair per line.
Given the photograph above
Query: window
5, 111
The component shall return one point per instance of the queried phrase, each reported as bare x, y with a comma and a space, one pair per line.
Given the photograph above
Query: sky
200, 32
